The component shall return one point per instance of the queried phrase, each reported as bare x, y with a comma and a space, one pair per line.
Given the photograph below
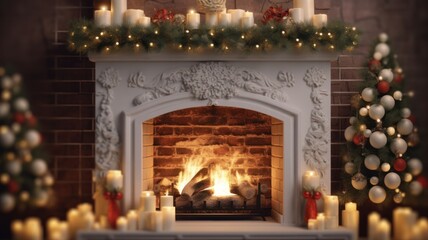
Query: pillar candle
148, 202
307, 6
297, 15
118, 8
132, 218
373, 221
312, 224
166, 201
102, 17
52, 227
33, 229
423, 225
114, 180
331, 211
143, 217
403, 221
103, 222
144, 21
73, 222
351, 217
319, 20
156, 221
382, 231
211, 19
320, 221
63, 229
132, 16
122, 224
100, 202
168, 218
193, 19
311, 180
86, 221
247, 20
236, 15
224, 19
17, 229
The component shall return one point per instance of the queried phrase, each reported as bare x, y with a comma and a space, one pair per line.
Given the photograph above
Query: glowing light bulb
103, 8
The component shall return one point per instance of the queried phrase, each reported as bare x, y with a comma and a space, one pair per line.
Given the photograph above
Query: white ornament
378, 140
405, 113
4, 109
382, 48
388, 102
7, 138
377, 194
21, 105
33, 138
387, 75
372, 162
349, 168
390, 131
398, 198
376, 111
374, 181
368, 94
385, 167
398, 95
7, 202
377, 56
405, 127
364, 111
350, 133
6, 83
367, 133
398, 146
16, 78
359, 181
383, 37
39, 167
415, 165
352, 120
16, 127
13, 167
392, 180
408, 177
415, 188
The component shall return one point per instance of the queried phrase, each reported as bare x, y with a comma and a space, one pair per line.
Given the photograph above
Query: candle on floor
118, 8
144, 21
373, 221
122, 224
311, 180
236, 15
312, 224
132, 218
224, 19
132, 16
247, 20
114, 180
297, 15
351, 217
17, 229
331, 210
63, 230
166, 201
382, 231
211, 19
307, 6
319, 20
168, 218
193, 19
102, 17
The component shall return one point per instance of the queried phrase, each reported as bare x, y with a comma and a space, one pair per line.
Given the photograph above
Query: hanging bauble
40, 198
398, 198
358, 139
390, 131
7, 202
400, 164
359, 181
405, 113
378, 140
374, 181
383, 37
377, 194
377, 56
48, 180
386, 75
388, 102
415, 188
423, 181
13, 187
19, 118
39, 167
398, 146
13, 167
368, 94
16, 127
7, 137
383, 48
372, 162
383, 87
367, 133
363, 111
408, 177
385, 167
349, 168
376, 112
398, 95
374, 65
405, 126
6, 83
352, 120
21, 105
4, 109
33, 138
350, 133
415, 166
392, 180
413, 139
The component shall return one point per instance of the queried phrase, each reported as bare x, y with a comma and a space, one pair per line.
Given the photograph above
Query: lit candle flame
103, 8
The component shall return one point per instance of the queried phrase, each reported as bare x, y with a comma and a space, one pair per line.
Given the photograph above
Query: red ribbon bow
311, 211
113, 195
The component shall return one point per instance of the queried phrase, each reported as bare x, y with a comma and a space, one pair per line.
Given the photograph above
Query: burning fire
192, 166
220, 179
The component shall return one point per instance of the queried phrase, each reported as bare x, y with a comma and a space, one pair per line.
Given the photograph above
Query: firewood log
183, 201
199, 198
246, 190
189, 189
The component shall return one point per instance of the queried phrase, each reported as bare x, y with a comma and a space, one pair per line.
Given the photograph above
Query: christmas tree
381, 141
24, 177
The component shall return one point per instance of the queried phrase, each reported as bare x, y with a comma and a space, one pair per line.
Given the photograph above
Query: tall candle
193, 19
307, 6
211, 19
122, 224
403, 221
144, 21
331, 210
17, 229
373, 221
311, 180
247, 20
132, 16
351, 217
114, 180
224, 19
118, 8
143, 220
166, 201
383, 231
102, 17
73, 222
319, 20
33, 229
52, 227
157, 223
297, 15
168, 218
423, 225
148, 202
236, 15
132, 218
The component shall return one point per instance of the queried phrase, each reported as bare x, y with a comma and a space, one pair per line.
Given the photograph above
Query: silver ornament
352, 120
378, 140
372, 162
415, 188
349, 168
405, 127
386, 75
39, 167
33, 138
7, 137
377, 56
392, 180
376, 112
368, 94
388, 102
415, 165
398, 198
7, 202
408, 177
385, 167
13, 167
390, 131
350, 133
398, 95
4, 109
383, 37
363, 111
374, 181
367, 133
377, 194
359, 181
383, 48
398, 146
405, 113
21, 105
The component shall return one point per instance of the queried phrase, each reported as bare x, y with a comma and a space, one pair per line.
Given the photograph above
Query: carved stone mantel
295, 88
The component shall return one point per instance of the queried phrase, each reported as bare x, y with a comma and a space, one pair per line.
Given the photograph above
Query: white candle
383, 231
147, 202
224, 19
320, 221
132, 218
351, 206
156, 219
17, 230
297, 15
423, 225
331, 222
100, 202
168, 218
331, 210
307, 6
33, 229
114, 180
118, 8
103, 222
144, 21
312, 224
122, 224
403, 221
132, 16
193, 19
86, 221
52, 227
236, 15
319, 20
351, 217
166, 201
311, 180
211, 19
144, 222
247, 20
63, 230
73, 222
84, 208
102, 17
373, 221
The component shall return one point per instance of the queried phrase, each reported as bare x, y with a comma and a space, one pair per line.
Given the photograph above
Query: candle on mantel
351, 217
132, 16
73, 222
114, 180
33, 229
319, 20
297, 15
312, 224
331, 211
168, 218
308, 8
320, 221
382, 231
17, 229
403, 221
132, 218
247, 20
144, 21
122, 224
311, 180
236, 15
118, 8
224, 19
102, 17
193, 19
148, 201
166, 201
373, 221
211, 19
52, 226
156, 221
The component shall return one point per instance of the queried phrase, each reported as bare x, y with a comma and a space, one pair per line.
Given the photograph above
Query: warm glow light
191, 167
191, 11
220, 181
103, 8
167, 193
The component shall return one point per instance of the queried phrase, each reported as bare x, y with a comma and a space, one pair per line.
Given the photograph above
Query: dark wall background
33, 41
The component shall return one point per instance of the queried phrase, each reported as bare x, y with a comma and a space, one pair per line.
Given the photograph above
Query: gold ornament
10, 156
6, 95
24, 196
4, 178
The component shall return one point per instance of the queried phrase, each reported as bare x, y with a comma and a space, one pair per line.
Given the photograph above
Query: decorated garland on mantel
86, 37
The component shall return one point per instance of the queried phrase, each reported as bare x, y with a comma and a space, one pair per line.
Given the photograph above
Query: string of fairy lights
86, 37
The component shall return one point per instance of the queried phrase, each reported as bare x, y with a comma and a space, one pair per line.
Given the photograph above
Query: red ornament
412, 118
398, 77
306, 194
383, 87
13, 187
374, 65
163, 15
400, 164
311, 211
113, 212
423, 181
358, 139
19, 118
317, 195
274, 13
32, 121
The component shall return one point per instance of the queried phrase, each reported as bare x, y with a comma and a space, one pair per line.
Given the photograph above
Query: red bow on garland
311, 204
163, 15
274, 13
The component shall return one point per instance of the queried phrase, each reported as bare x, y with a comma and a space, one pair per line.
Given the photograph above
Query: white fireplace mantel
294, 88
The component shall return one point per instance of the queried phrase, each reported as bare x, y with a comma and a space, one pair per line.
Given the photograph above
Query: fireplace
259, 121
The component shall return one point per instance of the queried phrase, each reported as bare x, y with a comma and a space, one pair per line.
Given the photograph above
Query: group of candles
303, 12
231, 17
120, 15
30, 229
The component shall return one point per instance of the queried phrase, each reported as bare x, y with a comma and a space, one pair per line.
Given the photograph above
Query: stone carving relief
136, 80
316, 140
212, 81
287, 78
